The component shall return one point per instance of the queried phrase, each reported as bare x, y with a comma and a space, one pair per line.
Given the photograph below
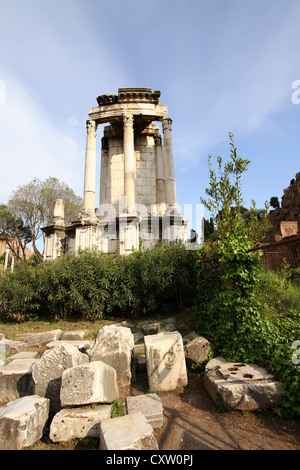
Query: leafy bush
239, 310
19, 298
93, 285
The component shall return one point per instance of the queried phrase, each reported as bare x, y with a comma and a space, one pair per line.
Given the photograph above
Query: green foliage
32, 204
117, 408
93, 285
225, 201
19, 299
274, 202
14, 232
241, 311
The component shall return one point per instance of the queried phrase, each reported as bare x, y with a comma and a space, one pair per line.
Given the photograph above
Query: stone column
6, 258
90, 169
129, 161
160, 175
170, 187
104, 172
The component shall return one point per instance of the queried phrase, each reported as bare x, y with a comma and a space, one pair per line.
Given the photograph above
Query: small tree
33, 204
225, 201
14, 233
232, 304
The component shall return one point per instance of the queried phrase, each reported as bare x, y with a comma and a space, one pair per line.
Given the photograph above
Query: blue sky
221, 66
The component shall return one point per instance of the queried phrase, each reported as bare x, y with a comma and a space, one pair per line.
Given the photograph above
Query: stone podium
137, 203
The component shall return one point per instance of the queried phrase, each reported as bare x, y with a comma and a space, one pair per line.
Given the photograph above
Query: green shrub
19, 297
261, 331
93, 285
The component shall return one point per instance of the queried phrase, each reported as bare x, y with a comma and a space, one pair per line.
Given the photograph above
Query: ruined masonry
66, 388
137, 205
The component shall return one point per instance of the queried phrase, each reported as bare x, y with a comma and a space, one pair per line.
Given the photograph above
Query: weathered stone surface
23, 336
189, 337
169, 327
80, 422
131, 326
82, 345
151, 328
47, 372
139, 349
166, 367
141, 362
241, 386
23, 422
138, 336
12, 346
2, 353
41, 339
150, 405
16, 379
114, 346
22, 355
129, 432
197, 350
76, 335
95, 382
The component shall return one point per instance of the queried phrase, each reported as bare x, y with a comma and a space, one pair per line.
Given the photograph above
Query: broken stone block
38, 340
22, 355
169, 327
12, 347
151, 328
16, 379
82, 345
47, 372
165, 360
76, 335
150, 405
95, 382
197, 350
127, 325
141, 362
241, 386
2, 353
129, 432
23, 422
80, 422
138, 336
189, 337
114, 346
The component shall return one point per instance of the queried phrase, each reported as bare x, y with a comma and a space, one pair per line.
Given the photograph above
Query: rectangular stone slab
80, 422
23, 422
165, 360
95, 382
150, 405
129, 432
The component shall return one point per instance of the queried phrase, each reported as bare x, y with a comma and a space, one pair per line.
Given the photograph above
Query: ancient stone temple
137, 205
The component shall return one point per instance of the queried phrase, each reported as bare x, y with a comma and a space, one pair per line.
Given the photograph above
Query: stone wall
288, 212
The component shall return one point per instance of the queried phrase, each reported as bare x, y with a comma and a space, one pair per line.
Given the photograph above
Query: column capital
128, 120
167, 124
157, 140
91, 127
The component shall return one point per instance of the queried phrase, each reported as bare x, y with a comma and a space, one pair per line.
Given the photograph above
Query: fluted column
104, 172
160, 175
129, 161
90, 168
170, 187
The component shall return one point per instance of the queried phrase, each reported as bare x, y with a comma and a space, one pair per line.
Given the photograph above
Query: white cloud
30, 146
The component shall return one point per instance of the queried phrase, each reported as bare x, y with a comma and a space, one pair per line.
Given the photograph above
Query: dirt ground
193, 422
